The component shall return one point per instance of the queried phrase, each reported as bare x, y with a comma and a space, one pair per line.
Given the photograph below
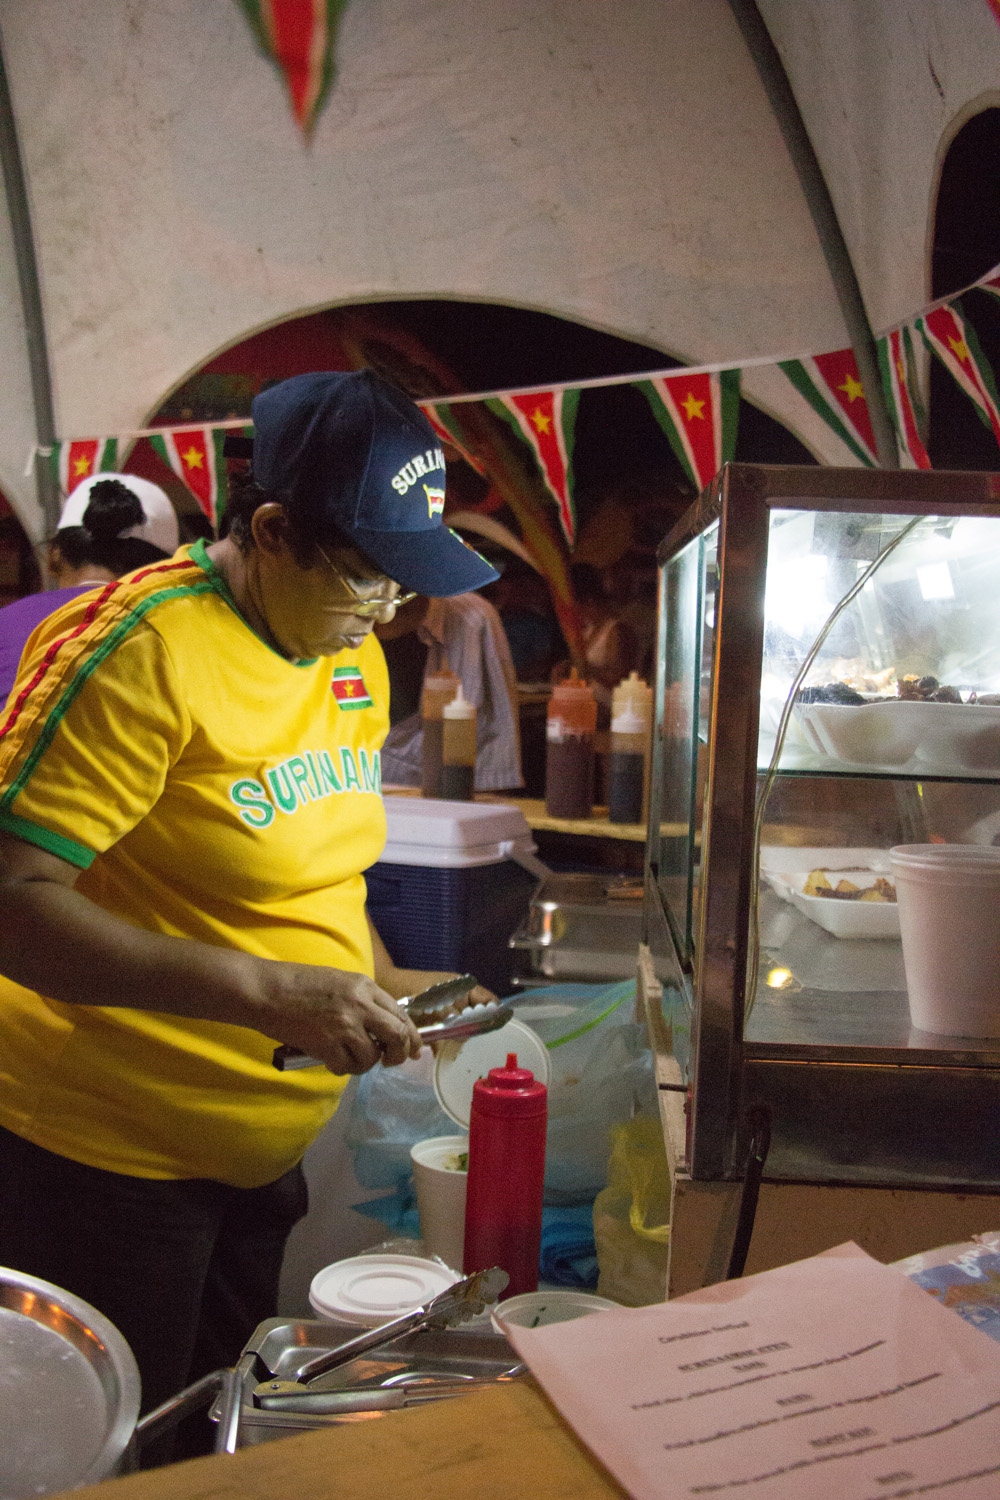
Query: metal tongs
462, 1301
433, 1013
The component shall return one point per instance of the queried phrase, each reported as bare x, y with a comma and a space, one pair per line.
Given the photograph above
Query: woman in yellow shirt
189, 794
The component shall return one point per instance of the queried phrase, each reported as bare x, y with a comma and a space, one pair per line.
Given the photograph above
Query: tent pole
31, 301
824, 216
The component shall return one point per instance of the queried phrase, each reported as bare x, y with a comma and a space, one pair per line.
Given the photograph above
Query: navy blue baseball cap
349, 451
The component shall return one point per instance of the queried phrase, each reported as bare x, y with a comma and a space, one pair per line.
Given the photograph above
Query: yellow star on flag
900, 371
193, 459
540, 420
960, 348
693, 408
81, 466
852, 388
348, 689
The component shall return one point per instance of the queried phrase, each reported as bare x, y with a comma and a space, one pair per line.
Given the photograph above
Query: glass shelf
842, 999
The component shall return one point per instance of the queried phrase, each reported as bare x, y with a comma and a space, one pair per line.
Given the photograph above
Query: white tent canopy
617, 164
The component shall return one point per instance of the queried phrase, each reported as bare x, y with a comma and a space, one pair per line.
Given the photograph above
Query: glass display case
828, 686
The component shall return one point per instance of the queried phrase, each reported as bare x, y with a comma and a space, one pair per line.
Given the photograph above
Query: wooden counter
493, 1445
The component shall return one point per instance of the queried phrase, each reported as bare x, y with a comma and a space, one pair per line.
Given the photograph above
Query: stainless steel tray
432, 1355
573, 930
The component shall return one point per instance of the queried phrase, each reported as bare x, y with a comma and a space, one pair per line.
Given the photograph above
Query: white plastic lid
430, 831
459, 707
368, 1290
459, 1064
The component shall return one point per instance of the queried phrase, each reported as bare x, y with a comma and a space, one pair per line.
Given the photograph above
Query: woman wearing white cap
110, 524
189, 798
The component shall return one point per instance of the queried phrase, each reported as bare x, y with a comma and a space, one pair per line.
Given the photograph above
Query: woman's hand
345, 1020
56, 941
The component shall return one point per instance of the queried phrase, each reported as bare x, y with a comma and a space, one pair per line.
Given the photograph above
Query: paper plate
459, 1064
371, 1289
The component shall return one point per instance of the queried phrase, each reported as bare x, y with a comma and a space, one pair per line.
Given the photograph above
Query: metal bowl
69, 1390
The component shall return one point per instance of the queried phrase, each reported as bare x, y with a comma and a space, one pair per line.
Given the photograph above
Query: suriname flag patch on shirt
349, 688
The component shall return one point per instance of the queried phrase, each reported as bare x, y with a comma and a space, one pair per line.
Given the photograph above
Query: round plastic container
537, 1309
368, 1290
440, 1191
949, 918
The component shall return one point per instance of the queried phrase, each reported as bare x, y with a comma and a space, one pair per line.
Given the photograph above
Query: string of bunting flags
696, 407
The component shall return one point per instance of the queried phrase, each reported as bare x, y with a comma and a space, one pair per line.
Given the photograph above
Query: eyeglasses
365, 609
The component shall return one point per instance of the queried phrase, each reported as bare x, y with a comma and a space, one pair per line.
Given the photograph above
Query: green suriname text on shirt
305, 778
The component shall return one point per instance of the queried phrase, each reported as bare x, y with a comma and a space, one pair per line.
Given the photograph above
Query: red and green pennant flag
439, 415
349, 688
82, 457
992, 283
699, 413
895, 357
547, 423
298, 37
195, 455
952, 339
832, 386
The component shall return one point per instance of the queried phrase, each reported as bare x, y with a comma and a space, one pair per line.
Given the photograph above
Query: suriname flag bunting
195, 455
699, 414
547, 423
950, 337
440, 417
80, 458
899, 381
298, 36
349, 688
832, 386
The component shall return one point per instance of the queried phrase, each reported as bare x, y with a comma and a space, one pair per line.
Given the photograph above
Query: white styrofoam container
905, 734
453, 835
786, 870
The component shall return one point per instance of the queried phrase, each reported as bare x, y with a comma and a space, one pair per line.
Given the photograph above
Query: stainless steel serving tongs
433, 1013
462, 1301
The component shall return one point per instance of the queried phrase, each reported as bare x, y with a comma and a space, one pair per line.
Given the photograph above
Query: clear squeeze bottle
570, 726
439, 689
458, 754
628, 771
503, 1202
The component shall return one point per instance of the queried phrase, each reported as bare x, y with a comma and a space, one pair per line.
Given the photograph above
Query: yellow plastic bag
632, 1216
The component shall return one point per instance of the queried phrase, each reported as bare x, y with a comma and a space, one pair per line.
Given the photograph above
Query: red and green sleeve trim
101, 652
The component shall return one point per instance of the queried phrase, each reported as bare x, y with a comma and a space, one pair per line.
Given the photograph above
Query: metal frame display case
748, 578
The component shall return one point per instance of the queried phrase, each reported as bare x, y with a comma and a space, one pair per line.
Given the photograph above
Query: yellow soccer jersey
207, 788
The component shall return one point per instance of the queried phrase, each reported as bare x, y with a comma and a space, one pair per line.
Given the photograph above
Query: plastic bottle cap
459, 707
574, 683
628, 722
510, 1076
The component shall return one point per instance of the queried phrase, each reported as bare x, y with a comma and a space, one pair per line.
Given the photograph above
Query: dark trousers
184, 1269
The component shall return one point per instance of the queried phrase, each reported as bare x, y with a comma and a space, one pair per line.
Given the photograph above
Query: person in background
610, 648
521, 598
462, 633
110, 525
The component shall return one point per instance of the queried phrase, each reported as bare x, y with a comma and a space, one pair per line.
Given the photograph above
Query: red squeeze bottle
503, 1202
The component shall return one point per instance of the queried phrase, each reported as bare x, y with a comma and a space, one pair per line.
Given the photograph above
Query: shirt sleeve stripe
55, 843
85, 671
57, 645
